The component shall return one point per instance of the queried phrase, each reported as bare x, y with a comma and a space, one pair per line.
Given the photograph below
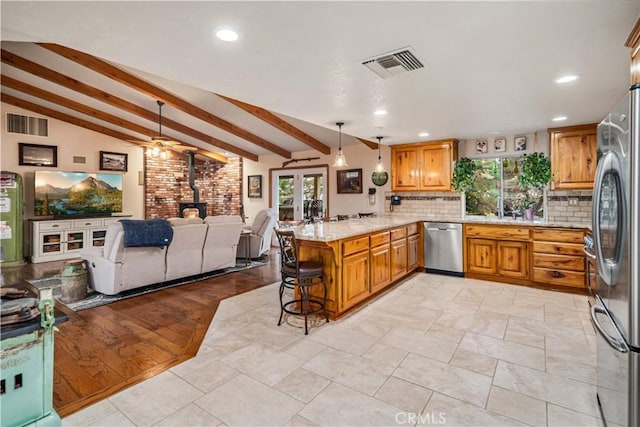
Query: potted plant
464, 174
535, 174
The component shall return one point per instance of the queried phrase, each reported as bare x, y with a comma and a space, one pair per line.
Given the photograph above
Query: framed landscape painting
37, 155
113, 161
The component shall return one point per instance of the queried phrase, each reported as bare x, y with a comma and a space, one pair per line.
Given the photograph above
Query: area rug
96, 299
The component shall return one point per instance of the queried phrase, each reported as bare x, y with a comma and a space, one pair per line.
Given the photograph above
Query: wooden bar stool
299, 276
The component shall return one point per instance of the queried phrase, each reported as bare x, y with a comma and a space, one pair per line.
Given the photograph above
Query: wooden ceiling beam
370, 144
46, 111
275, 121
92, 112
92, 92
100, 66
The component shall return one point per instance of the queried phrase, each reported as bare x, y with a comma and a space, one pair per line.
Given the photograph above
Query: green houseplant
464, 174
535, 174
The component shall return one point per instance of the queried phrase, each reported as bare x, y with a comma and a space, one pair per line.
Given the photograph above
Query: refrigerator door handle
617, 343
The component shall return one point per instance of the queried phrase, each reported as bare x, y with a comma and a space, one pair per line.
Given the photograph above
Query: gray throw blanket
146, 232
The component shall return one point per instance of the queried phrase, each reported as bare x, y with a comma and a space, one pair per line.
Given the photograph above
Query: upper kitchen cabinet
423, 166
573, 156
634, 43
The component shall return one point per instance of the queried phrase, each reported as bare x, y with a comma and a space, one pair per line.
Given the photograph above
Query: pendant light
340, 160
159, 143
380, 165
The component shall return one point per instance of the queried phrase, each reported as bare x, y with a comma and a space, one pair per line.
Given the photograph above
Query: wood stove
192, 209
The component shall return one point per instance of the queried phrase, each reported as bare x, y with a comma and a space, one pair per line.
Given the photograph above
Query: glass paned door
299, 194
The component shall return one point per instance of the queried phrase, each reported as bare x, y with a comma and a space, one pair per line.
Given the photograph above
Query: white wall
72, 141
358, 157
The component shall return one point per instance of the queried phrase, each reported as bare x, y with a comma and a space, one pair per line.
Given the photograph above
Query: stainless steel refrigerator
616, 221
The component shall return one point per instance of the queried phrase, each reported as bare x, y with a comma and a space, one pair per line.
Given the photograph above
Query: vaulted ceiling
297, 69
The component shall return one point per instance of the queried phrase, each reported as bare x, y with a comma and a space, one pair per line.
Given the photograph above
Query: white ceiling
490, 69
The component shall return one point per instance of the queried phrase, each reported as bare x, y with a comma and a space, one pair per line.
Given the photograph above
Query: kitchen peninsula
361, 257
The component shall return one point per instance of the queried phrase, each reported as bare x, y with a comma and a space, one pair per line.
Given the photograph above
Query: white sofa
197, 247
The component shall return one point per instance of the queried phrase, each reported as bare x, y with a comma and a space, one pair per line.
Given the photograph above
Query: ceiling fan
160, 145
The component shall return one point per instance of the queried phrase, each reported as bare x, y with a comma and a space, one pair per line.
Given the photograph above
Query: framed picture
113, 161
254, 186
37, 155
500, 145
520, 143
481, 146
349, 181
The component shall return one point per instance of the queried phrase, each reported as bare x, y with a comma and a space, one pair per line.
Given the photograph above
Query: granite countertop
506, 221
336, 230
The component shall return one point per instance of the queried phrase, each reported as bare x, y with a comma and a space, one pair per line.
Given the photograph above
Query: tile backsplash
563, 206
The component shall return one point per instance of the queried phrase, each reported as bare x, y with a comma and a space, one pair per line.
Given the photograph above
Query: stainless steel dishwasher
443, 248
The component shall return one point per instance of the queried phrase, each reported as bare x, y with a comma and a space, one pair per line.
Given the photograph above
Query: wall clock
379, 178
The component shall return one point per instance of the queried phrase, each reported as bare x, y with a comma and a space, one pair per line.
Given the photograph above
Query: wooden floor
103, 350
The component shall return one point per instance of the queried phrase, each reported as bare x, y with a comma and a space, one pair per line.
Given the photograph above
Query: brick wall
167, 184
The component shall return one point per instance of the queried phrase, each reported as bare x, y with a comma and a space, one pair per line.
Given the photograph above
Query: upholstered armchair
259, 240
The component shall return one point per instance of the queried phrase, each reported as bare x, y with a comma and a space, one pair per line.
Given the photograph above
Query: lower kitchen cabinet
380, 267
481, 256
558, 258
513, 259
413, 252
398, 258
355, 278
543, 257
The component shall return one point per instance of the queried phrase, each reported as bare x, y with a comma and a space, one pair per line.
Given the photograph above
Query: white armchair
259, 240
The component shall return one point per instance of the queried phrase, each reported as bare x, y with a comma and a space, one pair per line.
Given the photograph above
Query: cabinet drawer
62, 225
497, 232
355, 245
558, 235
561, 262
398, 233
379, 239
558, 277
84, 223
558, 248
412, 229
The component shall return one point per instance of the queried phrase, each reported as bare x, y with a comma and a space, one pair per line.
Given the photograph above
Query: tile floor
435, 350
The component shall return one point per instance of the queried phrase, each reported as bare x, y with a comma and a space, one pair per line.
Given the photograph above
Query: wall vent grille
393, 63
27, 125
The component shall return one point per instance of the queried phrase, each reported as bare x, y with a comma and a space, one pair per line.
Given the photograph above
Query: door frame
300, 170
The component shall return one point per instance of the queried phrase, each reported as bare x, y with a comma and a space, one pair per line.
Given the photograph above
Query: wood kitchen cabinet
634, 43
398, 252
423, 166
558, 258
380, 261
405, 169
513, 259
498, 252
355, 273
573, 156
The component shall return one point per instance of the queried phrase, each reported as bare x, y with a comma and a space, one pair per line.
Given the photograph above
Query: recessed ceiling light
423, 134
559, 118
227, 35
380, 112
566, 79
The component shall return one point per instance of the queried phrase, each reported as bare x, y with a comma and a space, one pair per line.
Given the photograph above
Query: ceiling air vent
26, 125
391, 63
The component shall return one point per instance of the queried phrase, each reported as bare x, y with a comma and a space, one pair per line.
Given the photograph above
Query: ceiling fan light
164, 154
155, 150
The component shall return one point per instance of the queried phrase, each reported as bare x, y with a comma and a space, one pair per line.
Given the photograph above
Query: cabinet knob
55, 226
